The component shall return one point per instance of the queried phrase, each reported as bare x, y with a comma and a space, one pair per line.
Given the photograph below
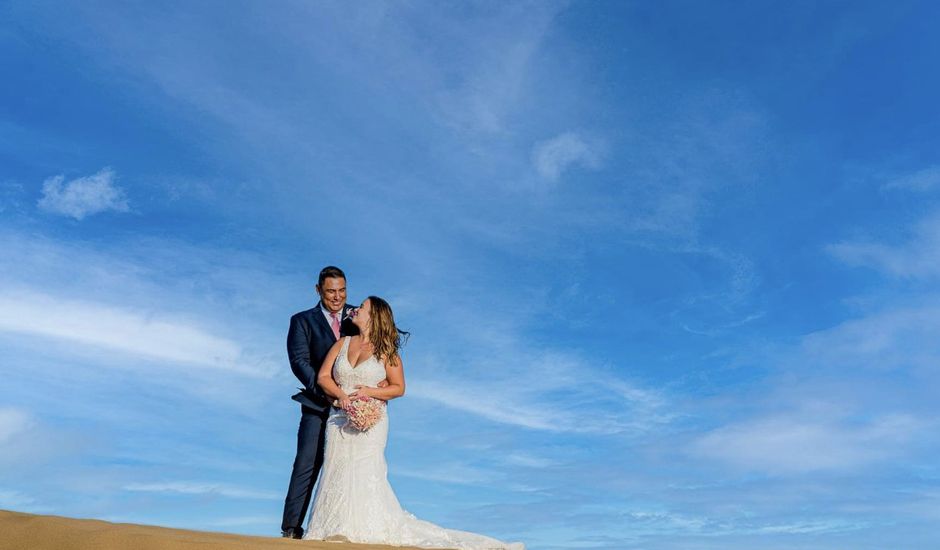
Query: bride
354, 501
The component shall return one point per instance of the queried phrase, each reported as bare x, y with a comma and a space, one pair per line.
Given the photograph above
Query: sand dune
32, 532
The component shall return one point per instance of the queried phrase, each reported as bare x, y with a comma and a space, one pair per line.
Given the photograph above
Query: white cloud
197, 488
484, 403
15, 500
531, 406
84, 196
919, 257
895, 338
139, 333
553, 157
787, 444
26, 443
922, 180
812, 527
846, 397
527, 460
455, 472
672, 213
713, 140
489, 69
528, 394
13, 421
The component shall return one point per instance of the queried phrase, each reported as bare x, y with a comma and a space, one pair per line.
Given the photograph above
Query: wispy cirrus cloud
496, 78
82, 197
840, 400
454, 472
906, 337
915, 253
917, 258
712, 139
17, 500
553, 157
13, 421
795, 444
520, 458
139, 333
624, 410
200, 488
925, 179
163, 302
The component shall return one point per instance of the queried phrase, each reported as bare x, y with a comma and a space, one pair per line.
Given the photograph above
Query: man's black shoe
293, 533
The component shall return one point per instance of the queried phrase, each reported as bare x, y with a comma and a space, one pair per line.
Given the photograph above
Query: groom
311, 335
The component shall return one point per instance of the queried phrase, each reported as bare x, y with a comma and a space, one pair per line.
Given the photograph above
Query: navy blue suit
309, 339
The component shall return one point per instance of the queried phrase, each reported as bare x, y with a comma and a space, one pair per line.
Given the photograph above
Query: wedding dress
354, 501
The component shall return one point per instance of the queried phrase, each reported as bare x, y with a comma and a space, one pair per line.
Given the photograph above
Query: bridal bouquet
364, 412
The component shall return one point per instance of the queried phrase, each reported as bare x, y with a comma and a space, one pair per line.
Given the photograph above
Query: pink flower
364, 412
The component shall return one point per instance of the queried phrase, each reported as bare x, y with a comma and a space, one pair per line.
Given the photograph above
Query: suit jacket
309, 339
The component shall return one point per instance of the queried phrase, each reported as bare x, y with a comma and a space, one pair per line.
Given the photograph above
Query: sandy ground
31, 532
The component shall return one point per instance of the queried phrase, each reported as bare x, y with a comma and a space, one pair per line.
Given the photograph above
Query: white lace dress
354, 501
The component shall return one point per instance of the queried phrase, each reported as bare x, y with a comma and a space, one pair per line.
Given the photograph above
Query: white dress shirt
329, 319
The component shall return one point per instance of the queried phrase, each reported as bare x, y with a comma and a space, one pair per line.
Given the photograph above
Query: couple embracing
343, 354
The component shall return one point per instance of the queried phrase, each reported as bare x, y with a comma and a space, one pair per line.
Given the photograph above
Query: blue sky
670, 267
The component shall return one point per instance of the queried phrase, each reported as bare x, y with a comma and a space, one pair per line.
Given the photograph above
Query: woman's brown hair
385, 336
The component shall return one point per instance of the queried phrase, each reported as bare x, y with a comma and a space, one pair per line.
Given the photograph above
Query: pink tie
335, 325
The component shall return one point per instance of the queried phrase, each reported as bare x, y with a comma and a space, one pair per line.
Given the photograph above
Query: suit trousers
307, 463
